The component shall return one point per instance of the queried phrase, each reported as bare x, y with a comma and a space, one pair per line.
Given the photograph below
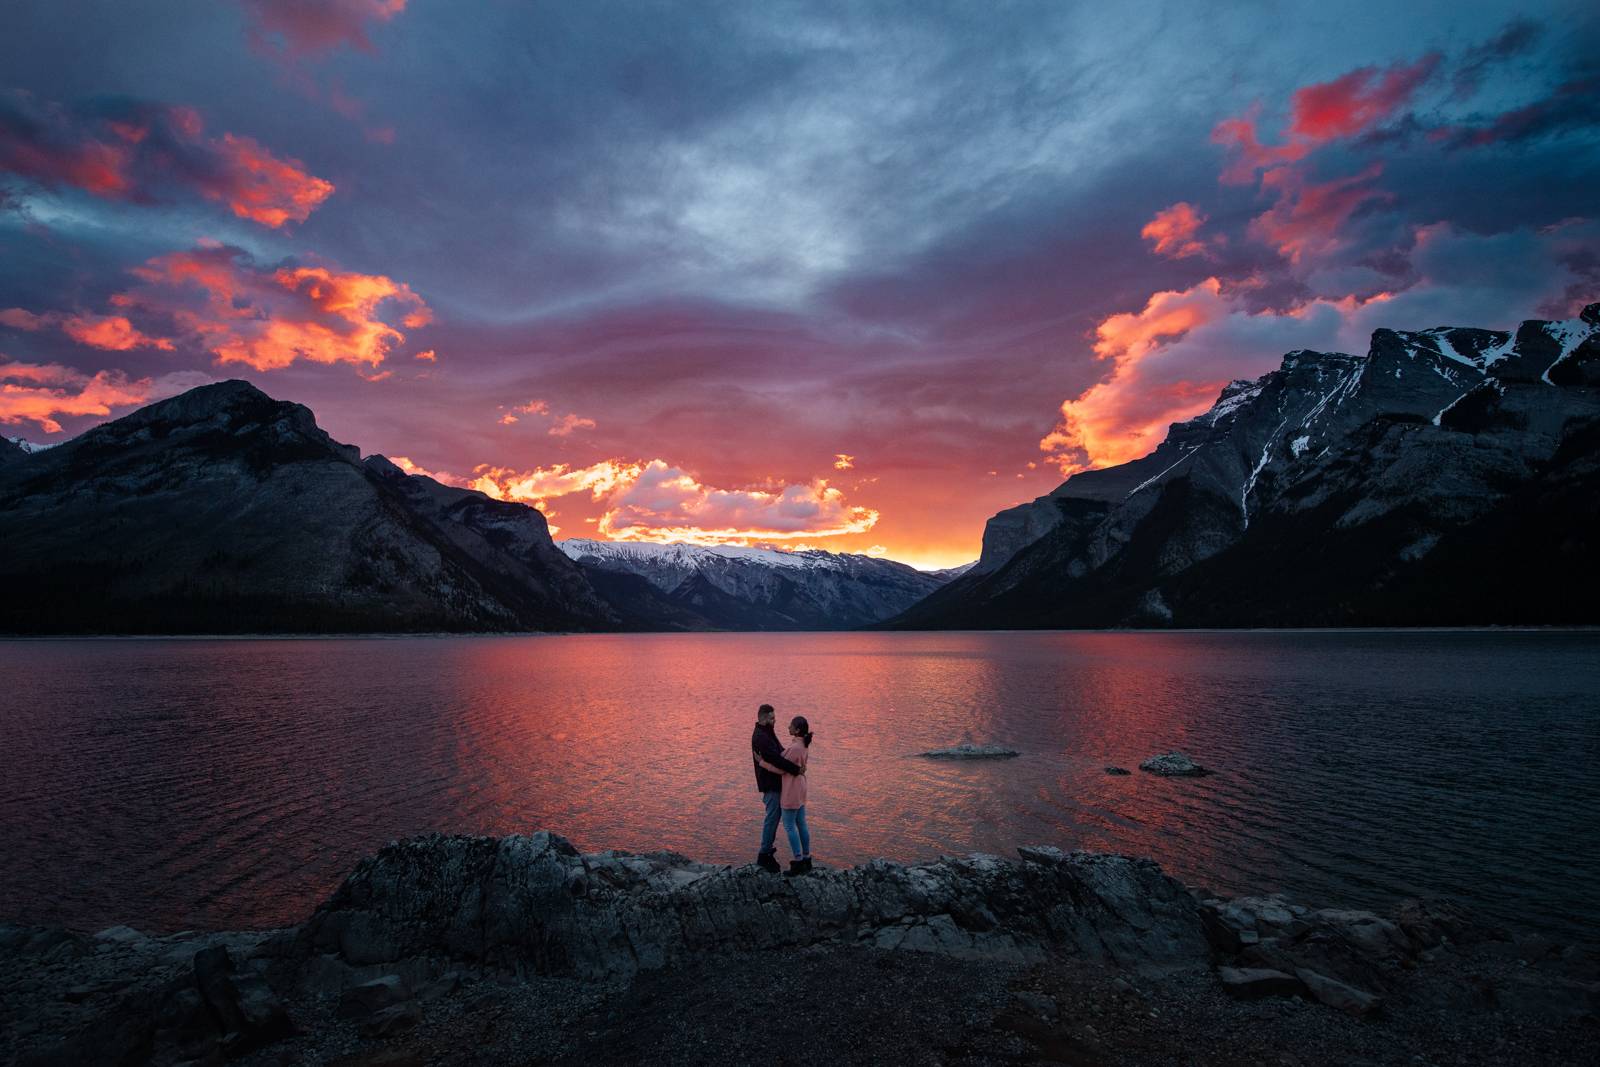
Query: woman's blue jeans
794, 824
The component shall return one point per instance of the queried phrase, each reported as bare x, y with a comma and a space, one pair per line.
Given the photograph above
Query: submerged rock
1173, 765
1118, 771
967, 750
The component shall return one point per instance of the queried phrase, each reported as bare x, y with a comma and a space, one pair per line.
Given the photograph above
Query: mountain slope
1336, 490
730, 588
224, 510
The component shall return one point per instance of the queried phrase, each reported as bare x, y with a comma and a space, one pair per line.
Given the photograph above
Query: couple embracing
781, 777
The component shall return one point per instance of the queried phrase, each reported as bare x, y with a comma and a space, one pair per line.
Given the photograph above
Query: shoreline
574, 952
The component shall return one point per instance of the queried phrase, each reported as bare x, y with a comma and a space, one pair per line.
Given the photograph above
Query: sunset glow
809, 287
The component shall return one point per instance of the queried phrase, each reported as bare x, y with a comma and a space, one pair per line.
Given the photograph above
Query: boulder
371, 997
391, 1020
1251, 983
1173, 765
1337, 995
244, 1007
1118, 771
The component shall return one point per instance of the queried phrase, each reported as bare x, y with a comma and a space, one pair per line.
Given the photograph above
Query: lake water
174, 784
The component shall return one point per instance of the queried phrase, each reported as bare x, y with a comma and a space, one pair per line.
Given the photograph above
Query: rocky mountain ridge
1412, 485
735, 588
223, 510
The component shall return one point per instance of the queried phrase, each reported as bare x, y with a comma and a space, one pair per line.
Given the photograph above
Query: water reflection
207, 783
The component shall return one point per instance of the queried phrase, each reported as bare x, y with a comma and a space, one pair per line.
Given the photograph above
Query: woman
793, 799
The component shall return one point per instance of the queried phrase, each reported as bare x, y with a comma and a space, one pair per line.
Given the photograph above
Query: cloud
1516, 39
1573, 106
1250, 155
293, 29
427, 356
843, 461
1356, 101
266, 318
1173, 231
665, 503
41, 392
112, 333
546, 483
566, 424
653, 500
1308, 216
143, 152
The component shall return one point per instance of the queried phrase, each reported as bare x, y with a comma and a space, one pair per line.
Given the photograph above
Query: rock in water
1173, 765
1117, 771
967, 750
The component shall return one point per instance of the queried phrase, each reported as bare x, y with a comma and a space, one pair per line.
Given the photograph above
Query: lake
174, 784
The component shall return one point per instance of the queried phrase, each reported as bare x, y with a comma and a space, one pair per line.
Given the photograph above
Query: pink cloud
1174, 231
297, 28
1356, 101
1308, 217
144, 152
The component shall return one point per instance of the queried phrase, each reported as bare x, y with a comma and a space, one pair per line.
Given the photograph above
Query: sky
846, 276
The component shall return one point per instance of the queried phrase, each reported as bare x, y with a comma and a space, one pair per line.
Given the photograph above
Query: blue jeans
794, 824
769, 824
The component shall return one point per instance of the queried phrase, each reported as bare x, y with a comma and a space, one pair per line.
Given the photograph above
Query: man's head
765, 715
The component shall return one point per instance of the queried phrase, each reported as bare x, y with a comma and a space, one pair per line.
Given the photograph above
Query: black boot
805, 865
768, 861
795, 867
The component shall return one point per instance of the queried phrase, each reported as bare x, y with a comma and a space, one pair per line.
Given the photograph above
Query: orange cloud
427, 356
566, 424
545, 483
38, 393
1125, 417
269, 318
1173, 231
1356, 101
113, 333
145, 152
666, 503
264, 188
843, 461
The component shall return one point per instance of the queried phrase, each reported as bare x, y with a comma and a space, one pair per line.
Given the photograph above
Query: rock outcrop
432, 932
1447, 477
536, 902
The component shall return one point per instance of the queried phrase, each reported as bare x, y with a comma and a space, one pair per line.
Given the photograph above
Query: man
764, 745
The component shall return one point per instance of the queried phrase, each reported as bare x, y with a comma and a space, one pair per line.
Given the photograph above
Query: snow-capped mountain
1324, 492
28, 446
731, 588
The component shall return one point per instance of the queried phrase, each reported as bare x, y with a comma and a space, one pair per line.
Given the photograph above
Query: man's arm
766, 748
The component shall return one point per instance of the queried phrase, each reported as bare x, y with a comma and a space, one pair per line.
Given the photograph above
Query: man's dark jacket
764, 745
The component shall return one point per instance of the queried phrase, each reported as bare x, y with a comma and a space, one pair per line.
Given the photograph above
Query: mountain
225, 511
1448, 477
695, 587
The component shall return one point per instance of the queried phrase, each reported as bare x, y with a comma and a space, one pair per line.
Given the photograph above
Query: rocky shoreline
454, 949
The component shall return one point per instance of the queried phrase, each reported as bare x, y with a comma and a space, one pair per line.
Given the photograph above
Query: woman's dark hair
799, 725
